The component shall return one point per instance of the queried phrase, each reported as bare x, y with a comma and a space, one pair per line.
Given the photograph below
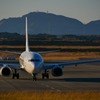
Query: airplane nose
37, 67
34, 68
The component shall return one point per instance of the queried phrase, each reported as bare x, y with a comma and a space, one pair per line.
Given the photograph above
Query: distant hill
40, 22
93, 27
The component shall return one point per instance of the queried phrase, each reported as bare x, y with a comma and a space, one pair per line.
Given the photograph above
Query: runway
81, 77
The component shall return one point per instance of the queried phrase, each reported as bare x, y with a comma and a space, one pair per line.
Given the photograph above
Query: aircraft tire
13, 76
47, 76
42, 75
17, 75
34, 79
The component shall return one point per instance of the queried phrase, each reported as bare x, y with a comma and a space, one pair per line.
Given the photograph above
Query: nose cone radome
36, 62
37, 67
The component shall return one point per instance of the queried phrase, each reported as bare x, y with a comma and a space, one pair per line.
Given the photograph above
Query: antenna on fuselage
27, 44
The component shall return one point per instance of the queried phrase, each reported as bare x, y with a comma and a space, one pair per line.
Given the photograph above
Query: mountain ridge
41, 22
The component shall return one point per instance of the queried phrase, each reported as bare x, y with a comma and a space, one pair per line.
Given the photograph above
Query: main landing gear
34, 77
15, 74
45, 74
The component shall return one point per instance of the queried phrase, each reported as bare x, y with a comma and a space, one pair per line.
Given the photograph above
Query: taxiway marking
40, 83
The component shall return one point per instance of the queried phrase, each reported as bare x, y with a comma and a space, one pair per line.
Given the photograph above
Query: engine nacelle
5, 71
57, 71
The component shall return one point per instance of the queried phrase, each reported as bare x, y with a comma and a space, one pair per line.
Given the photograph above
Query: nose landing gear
34, 77
45, 74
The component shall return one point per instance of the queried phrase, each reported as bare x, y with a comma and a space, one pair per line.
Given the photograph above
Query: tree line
44, 36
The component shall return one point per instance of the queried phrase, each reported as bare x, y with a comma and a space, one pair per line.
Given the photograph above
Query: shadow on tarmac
96, 80
77, 79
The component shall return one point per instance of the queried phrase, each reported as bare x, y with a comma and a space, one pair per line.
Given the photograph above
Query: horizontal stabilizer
48, 51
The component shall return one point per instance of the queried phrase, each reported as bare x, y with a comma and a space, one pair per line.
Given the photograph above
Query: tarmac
81, 77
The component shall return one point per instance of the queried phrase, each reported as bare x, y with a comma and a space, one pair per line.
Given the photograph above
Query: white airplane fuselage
32, 62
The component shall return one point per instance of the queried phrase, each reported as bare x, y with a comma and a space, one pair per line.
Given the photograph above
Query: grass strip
71, 95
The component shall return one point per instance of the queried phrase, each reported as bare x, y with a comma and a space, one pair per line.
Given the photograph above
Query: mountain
41, 22
93, 27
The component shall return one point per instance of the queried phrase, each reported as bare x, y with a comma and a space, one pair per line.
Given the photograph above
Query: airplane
33, 63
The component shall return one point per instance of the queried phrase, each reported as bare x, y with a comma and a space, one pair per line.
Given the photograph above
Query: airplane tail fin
27, 44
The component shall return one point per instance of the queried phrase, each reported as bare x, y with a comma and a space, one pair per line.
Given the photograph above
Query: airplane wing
69, 63
12, 66
48, 51
20, 53
10, 52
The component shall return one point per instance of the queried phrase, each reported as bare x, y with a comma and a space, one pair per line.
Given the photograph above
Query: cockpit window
34, 60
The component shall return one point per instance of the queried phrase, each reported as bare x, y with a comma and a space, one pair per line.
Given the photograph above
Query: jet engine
5, 71
57, 71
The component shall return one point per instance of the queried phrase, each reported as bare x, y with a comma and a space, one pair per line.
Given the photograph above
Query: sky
82, 10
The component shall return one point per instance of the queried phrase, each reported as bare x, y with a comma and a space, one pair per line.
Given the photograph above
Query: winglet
27, 44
